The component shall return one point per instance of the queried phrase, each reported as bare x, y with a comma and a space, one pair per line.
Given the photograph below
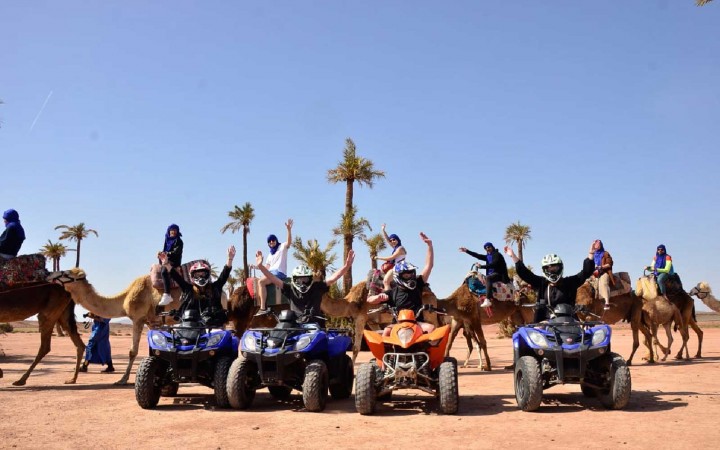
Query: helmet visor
409, 275
553, 268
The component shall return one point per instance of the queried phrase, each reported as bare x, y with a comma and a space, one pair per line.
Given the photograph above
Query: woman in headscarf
662, 267
603, 271
13, 236
172, 249
398, 255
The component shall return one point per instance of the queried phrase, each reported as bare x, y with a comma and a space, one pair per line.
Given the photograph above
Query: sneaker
262, 312
607, 306
165, 300
486, 303
83, 368
108, 369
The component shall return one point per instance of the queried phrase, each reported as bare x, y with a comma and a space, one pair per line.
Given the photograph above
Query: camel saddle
22, 270
503, 292
375, 282
622, 285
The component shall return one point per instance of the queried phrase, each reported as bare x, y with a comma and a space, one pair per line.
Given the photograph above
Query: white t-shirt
278, 261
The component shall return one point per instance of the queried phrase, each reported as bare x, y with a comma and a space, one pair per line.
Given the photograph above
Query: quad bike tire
147, 381
617, 395
220, 378
315, 385
528, 383
365, 391
280, 392
448, 386
240, 386
170, 389
588, 391
388, 396
341, 385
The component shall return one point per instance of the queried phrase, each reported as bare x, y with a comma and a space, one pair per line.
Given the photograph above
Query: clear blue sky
583, 120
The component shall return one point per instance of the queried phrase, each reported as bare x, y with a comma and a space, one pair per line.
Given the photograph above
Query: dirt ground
675, 403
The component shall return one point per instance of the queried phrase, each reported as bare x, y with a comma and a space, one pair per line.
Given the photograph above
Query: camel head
701, 290
67, 276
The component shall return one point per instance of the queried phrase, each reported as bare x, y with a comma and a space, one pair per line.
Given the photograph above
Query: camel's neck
335, 307
711, 302
84, 294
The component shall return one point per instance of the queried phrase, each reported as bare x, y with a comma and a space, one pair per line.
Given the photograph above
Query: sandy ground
676, 403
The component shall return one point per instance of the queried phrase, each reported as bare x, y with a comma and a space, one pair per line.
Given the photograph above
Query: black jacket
175, 254
208, 300
12, 238
498, 264
552, 294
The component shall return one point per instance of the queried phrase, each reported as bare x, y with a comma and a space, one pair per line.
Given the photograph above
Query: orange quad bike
407, 359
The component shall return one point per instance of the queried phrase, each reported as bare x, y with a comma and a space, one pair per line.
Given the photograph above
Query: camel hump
21, 270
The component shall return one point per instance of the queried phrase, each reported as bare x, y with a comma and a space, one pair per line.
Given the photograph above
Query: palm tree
350, 226
376, 243
54, 251
352, 169
76, 233
702, 2
240, 275
519, 234
317, 259
232, 281
242, 217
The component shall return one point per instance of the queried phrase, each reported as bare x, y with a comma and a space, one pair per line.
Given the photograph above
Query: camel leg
636, 342
699, 333
46, 328
469, 340
482, 344
59, 330
454, 328
68, 322
137, 331
360, 322
668, 333
685, 337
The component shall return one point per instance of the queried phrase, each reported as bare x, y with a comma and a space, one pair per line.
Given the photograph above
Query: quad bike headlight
405, 335
215, 339
249, 343
599, 336
303, 342
538, 338
159, 340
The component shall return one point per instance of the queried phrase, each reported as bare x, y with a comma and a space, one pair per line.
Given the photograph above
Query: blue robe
98, 346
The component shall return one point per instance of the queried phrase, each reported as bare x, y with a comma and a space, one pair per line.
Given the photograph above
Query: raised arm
429, 257
289, 225
259, 263
337, 275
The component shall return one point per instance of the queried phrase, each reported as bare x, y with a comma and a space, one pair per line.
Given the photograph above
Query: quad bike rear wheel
241, 383
528, 383
365, 390
315, 385
341, 385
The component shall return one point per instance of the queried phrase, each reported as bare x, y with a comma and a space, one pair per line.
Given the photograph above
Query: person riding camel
603, 271
304, 293
201, 294
173, 249
398, 255
552, 288
12, 238
407, 293
496, 269
662, 267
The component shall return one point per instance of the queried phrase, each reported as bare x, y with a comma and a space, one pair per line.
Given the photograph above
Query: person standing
495, 269
12, 238
98, 348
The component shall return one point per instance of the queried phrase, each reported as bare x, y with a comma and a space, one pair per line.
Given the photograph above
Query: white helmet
302, 278
552, 267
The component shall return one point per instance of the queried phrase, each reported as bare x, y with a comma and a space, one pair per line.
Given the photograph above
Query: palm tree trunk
245, 260
348, 279
77, 257
520, 250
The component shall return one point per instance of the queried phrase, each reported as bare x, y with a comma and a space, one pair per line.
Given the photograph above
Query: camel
463, 306
625, 306
704, 293
52, 305
660, 311
675, 293
137, 302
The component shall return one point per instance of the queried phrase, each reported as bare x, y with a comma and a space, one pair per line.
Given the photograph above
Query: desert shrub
6, 328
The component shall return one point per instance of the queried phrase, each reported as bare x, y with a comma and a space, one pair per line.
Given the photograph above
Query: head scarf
13, 220
597, 257
170, 241
660, 260
272, 237
397, 238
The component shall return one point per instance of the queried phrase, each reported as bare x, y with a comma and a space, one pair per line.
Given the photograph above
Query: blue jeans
661, 277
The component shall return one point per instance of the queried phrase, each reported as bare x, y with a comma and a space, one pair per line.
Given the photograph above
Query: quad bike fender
436, 352
374, 341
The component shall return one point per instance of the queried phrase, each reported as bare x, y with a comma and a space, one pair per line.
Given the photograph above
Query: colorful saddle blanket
22, 270
503, 292
375, 282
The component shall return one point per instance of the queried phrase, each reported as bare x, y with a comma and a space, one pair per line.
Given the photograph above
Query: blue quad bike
565, 350
187, 352
296, 354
